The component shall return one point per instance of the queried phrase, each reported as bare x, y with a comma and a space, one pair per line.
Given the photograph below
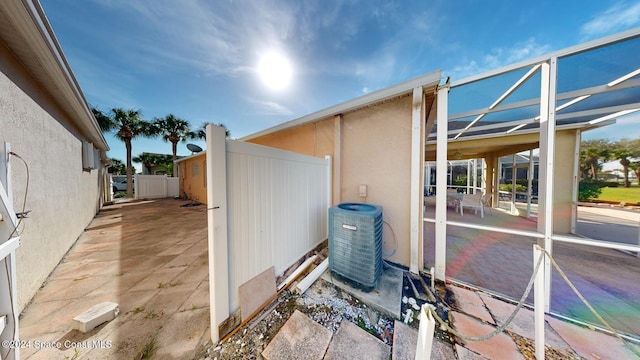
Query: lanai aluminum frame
579, 87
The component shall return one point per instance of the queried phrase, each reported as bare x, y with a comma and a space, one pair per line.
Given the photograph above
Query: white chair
473, 201
453, 198
486, 201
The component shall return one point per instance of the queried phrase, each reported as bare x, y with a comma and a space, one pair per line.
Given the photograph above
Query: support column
469, 178
530, 183
417, 180
576, 182
538, 304
441, 182
337, 158
546, 165
217, 228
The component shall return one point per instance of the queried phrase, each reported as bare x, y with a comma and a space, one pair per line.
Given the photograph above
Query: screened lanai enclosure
514, 135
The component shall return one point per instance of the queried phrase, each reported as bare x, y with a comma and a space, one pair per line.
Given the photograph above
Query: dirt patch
528, 349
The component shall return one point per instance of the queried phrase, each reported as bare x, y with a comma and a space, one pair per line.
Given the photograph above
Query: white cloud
272, 108
499, 57
618, 17
220, 38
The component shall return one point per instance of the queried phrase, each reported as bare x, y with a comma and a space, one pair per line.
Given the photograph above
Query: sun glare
275, 71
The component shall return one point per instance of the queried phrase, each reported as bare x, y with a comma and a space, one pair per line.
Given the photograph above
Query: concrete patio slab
503, 264
351, 342
500, 346
441, 350
523, 324
405, 340
149, 257
591, 344
186, 329
386, 297
469, 302
466, 354
299, 338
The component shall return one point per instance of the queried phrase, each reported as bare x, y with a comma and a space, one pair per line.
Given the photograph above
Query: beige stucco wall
194, 184
312, 139
375, 150
63, 198
563, 180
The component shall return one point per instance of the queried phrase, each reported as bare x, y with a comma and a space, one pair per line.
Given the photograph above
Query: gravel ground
323, 302
328, 305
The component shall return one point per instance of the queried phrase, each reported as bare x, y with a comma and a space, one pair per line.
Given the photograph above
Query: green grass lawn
619, 194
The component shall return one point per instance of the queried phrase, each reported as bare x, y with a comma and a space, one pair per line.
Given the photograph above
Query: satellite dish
194, 148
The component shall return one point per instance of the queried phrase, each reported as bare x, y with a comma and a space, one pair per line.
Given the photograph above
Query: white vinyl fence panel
265, 207
278, 203
155, 186
173, 187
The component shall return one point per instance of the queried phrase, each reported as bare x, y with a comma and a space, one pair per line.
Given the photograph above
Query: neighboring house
193, 177
46, 120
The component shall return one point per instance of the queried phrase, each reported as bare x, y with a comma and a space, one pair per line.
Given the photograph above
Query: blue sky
199, 59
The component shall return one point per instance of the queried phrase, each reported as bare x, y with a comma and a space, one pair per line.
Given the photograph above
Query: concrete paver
299, 338
523, 324
150, 258
405, 340
466, 354
503, 264
500, 346
470, 302
351, 342
591, 344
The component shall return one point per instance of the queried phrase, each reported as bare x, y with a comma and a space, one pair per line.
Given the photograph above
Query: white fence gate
155, 186
266, 207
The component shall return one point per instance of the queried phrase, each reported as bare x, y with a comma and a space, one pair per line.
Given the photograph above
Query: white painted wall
63, 198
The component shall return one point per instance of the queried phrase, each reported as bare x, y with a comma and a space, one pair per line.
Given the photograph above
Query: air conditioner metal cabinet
355, 243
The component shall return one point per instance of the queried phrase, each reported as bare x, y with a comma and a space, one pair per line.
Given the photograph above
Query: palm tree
128, 126
148, 160
116, 167
635, 166
174, 130
202, 131
623, 155
592, 153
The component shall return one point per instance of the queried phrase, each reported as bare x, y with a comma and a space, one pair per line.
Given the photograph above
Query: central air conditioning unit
355, 243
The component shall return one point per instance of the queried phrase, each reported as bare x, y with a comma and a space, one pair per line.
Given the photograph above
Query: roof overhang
190, 157
499, 143
430, 80
26, 31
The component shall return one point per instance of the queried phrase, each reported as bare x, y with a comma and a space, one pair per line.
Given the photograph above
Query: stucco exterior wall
311, 139
376, 148
563, 180
63, 198
192, 181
